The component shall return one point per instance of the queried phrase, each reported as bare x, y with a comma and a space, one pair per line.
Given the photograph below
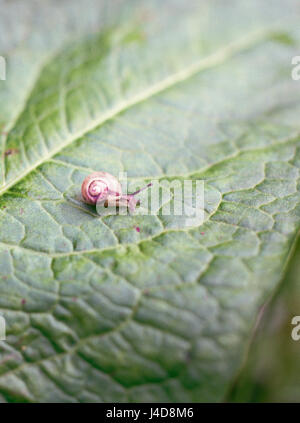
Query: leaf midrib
215, 59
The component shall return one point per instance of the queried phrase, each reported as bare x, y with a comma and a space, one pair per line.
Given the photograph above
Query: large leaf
95, 310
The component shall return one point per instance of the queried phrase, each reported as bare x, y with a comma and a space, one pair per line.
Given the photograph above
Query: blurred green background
272, 369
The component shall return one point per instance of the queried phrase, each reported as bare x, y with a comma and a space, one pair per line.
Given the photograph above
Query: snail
104, 188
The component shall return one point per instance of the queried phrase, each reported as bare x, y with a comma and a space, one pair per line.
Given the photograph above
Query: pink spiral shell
99, 185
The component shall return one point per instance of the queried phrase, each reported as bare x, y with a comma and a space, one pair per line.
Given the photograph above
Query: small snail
102, 187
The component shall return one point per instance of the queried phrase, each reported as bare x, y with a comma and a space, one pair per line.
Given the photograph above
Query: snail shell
98, 186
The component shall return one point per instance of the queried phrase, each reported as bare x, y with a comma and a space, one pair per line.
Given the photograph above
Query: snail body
104, 188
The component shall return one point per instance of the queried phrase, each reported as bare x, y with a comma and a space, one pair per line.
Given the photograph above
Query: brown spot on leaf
11, 151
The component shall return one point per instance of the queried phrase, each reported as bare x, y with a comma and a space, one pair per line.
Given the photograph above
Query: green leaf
270, 373
95, 310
